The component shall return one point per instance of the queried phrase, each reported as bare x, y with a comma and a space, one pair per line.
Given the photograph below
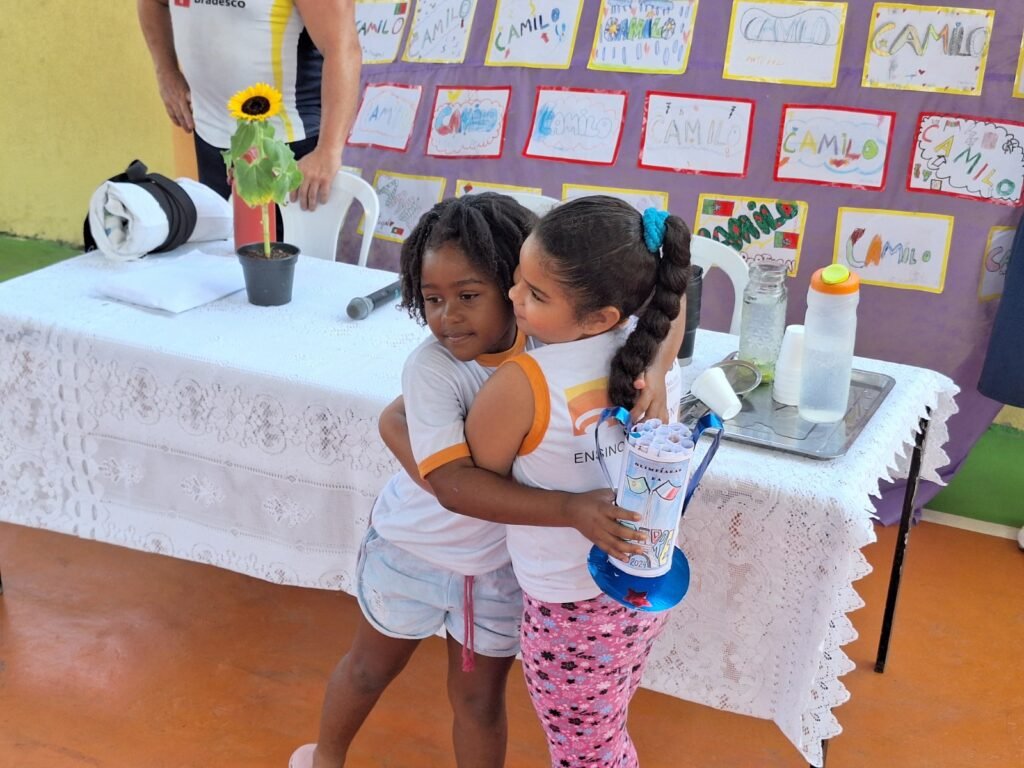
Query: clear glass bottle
763, 321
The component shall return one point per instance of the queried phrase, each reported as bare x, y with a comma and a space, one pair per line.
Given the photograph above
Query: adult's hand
177, 99
155, 21
595, 515
318, 168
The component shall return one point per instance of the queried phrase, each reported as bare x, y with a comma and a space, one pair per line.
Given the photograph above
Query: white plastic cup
714, 390
786, 389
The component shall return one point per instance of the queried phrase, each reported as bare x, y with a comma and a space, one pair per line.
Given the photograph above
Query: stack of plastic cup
714, 390
788, 367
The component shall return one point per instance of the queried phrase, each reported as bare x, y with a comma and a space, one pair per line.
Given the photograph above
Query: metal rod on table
901, 543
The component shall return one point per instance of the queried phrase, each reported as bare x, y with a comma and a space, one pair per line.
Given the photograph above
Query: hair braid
653, 324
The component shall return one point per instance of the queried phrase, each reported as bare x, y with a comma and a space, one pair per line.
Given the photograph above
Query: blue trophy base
641, 593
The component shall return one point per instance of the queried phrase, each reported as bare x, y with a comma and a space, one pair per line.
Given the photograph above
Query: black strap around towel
173, 201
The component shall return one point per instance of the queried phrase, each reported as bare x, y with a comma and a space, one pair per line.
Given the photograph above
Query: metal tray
768, 424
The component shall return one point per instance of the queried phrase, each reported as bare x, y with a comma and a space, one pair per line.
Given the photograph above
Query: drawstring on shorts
468, 664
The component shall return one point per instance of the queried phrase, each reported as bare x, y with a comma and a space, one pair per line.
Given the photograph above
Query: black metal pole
901, 543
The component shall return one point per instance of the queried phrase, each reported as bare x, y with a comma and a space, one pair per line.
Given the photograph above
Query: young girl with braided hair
588, 266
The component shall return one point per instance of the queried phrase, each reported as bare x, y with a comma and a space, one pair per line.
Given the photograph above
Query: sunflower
257, 103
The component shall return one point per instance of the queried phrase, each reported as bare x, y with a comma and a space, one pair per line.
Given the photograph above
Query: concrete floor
119, 659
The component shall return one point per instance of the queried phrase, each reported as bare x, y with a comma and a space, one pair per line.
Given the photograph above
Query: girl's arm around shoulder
394, 431
500, 419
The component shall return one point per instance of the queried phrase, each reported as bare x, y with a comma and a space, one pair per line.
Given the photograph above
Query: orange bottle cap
836, 280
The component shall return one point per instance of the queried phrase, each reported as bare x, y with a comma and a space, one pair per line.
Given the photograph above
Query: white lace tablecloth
246, 438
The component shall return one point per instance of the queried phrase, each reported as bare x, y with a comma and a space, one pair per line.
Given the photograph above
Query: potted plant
264, 171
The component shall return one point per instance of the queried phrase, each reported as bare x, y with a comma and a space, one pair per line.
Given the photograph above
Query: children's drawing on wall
468, 122
763, 230
1018, 80
403, 199
968, 157
838, 146
440, 31
534, 33
575, 125
696, 134
785, 41
469, 187
641, 199
998, 246
898, 249
927, 48
386, 116
651, 36
380, 25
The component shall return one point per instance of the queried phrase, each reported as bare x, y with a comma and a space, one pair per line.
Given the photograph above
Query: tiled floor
115, 659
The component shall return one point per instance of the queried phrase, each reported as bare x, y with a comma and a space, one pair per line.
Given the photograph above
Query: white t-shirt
571, 381
438, 391
225, 46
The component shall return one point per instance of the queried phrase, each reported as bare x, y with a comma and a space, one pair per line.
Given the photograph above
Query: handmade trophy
655, 481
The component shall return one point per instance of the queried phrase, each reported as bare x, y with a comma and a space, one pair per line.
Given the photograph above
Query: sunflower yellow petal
256, 103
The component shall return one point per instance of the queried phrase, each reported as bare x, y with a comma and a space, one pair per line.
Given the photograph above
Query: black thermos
693, 291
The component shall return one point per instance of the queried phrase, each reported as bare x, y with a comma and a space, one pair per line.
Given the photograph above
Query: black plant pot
268, 282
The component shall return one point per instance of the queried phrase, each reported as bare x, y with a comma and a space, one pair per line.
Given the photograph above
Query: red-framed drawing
834, 146
576, 125
468, 121
695, 133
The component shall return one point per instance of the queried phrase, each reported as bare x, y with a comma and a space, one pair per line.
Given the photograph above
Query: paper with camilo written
577, 125
380, 25
650, 36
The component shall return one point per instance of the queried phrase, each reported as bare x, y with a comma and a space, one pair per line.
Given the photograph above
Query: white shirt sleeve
435, 408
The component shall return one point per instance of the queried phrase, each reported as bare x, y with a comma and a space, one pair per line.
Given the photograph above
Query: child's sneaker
302, 757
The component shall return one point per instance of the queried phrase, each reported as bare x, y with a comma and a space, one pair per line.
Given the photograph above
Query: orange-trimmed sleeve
442, 457
541, 402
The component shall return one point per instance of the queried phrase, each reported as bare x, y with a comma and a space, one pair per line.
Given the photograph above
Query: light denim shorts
406, 597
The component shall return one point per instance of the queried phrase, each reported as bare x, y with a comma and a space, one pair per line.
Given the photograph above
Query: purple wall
946, 332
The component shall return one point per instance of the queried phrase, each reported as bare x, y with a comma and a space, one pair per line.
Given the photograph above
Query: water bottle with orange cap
830, 329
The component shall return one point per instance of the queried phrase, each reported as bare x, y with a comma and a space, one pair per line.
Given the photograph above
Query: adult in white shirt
205, 51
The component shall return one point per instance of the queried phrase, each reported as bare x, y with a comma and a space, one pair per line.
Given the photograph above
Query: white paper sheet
175, 283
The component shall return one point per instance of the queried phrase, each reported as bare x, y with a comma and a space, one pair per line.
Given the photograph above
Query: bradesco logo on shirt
223, 3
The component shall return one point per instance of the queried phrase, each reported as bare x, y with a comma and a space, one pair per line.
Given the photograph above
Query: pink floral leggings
583, 663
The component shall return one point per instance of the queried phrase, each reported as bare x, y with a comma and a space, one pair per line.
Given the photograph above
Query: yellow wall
79, 103
1011, 417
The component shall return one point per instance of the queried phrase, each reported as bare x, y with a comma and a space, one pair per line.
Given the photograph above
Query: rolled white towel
127, 222
213, 212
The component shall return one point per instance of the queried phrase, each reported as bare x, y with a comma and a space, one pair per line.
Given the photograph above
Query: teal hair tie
654, 229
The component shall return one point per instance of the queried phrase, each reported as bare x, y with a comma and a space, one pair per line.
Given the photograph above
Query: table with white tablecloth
246, 438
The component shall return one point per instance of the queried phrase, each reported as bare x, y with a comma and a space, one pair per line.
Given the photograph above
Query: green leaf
273, 175
245, 136
281, 189
247, 182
